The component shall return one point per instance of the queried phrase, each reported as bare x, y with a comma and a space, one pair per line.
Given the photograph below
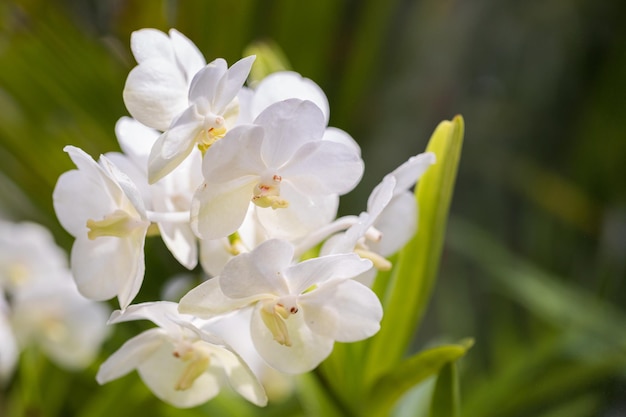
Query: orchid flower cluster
243, 181
40, 305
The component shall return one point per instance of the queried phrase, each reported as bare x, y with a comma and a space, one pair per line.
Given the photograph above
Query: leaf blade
412, 371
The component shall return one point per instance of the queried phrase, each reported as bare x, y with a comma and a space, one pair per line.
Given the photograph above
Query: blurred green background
535, 259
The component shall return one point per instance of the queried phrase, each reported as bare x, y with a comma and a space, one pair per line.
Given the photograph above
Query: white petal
252, 233
239, 375
319, 270
345, 242
208, 300
84, 193
160, 313
204, 84
346, 312
410, 172
334, 134
67, 327
231, 82
136, 140
213, 255
305, 213
244, 99
181, 242
138, 175
9, 351
288, 125
109, 266
130, 355
174, 193
258, 272
173, 146
324, 167
217, 211
161, 371
236, 155
131, 192
367, 278
307, 349
284, 85
381, 196
155, 93
30, 250
397, 223
149, 44
187, 53
234, 329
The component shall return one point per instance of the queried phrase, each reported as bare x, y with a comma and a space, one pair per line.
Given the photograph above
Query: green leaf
391, 386
414, 275
446, 397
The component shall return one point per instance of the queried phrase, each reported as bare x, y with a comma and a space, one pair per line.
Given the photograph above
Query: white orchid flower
396, 219
181, 364
103, 210
388, 224
68, 327
280, 164
45, 307
28, 255
283, 85
156, 89
299, 310
171, 196
212, 110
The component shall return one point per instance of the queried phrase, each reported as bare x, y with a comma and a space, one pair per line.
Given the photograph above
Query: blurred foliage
535, 264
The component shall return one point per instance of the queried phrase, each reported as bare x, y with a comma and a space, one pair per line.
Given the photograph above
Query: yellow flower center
18, 273
198, 361
274, 314
214, 129
267, 193
54, 329
118, 224
207, 137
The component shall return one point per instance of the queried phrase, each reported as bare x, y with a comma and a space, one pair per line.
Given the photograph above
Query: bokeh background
534, 266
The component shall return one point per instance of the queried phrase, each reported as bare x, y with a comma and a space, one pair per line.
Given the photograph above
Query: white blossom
156, 89
212, 110
280, 164
300, 310
103, 210
390, 220
181, 364
28, 255
68, 327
